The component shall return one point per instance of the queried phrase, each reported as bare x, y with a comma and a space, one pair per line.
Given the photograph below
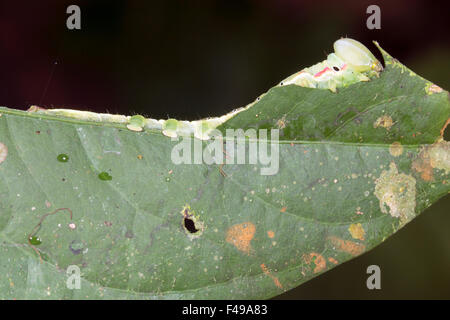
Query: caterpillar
351, 62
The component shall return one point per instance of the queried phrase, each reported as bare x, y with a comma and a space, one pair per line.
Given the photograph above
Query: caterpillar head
357, 56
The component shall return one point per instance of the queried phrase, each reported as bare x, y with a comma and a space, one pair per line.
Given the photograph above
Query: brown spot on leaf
240, 235
269, 274
384, 121
317, 259
348, 246
129, 234
422, 165
281, 123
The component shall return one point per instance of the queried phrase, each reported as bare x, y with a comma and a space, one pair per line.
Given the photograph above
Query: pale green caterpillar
351, 62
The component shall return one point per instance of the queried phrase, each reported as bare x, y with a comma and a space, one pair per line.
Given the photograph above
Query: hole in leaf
190, 225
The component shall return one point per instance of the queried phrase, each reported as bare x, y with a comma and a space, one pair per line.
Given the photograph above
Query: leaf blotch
347, 246
318, 260
436, 156
240, 235
384, 121
398, 192
333, 260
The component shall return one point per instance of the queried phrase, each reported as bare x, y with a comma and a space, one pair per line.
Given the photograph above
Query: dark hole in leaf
190, 225
336, 68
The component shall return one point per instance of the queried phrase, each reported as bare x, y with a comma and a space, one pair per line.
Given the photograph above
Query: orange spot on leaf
240, 235
283, 209
271, 234
268, 273
332, 260
422, 165
347, 246
318, 260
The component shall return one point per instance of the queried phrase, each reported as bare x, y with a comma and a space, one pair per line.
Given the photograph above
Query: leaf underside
354, 167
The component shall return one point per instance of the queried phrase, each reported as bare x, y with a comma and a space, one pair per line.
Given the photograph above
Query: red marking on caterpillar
318, 74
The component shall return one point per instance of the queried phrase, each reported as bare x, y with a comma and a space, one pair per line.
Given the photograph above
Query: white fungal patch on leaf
439, 155
398, 192
3, 152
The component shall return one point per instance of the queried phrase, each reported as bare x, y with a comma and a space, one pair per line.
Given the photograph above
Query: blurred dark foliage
192, 59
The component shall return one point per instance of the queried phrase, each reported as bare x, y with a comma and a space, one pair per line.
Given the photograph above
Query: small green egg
62, 157
104, 176
35, 240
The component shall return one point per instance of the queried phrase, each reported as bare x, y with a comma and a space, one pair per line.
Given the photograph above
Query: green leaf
354, 167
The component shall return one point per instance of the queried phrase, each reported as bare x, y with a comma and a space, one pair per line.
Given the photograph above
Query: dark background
192, 59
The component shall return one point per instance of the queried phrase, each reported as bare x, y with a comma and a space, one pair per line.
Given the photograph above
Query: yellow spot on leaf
357, 231
240, 235
396, 149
